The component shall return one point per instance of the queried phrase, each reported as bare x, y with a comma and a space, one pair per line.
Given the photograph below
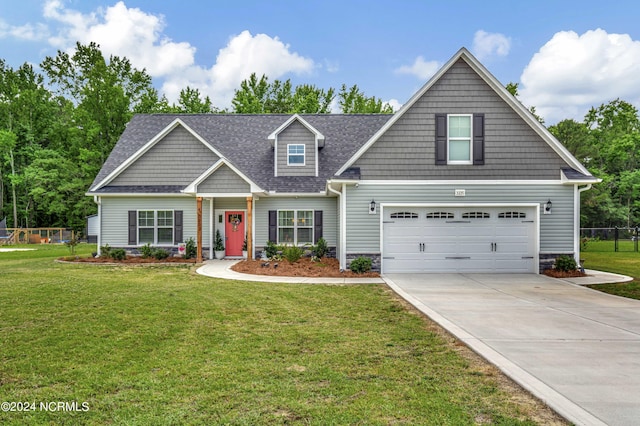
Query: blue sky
566, 55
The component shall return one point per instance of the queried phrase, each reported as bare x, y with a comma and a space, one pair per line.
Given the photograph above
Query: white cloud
395, 104
137, 35
489, 44
420, 68
27, 32
571, 73
246, 54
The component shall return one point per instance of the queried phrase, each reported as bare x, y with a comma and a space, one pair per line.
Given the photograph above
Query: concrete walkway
222, 269
575, 348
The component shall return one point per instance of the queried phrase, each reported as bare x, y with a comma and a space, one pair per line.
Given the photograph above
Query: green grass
163, 345
600, 255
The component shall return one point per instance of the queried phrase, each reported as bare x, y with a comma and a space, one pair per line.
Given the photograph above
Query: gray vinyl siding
512, 148
230, 203
327, 204
224, 180
556, 229
178, 159
114, 221
296, 133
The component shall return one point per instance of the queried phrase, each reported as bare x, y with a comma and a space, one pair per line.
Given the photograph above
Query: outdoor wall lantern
372, 207
547, 207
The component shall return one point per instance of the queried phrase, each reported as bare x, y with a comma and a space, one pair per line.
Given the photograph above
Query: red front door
234, 233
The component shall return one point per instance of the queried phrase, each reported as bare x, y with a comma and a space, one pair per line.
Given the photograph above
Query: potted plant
244, 247
219, 246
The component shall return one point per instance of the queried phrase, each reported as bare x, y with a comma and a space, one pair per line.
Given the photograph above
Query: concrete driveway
576, 349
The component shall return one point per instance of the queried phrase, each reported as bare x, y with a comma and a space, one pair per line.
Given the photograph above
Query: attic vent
475, 215
512, 215
404, 215
439, 215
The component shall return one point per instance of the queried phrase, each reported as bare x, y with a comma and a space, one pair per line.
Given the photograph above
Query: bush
219, 244
566, 264
293, 253
360, 265
160, 254
105, 251
190, 249
321, 249
146, 251
118, 254
271, 249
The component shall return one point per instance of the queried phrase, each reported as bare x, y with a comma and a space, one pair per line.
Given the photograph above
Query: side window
459, 139
146, 223
295, 155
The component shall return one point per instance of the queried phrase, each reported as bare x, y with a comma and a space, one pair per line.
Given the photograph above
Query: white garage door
470, 239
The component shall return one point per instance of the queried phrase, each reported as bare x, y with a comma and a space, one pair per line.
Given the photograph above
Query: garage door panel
461, 240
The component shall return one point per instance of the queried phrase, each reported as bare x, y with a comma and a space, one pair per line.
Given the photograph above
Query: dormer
295, 148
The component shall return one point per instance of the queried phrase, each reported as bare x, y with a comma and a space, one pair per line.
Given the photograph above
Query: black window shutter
177, 227
478, 139
133, 227
441, 139
317, 226
273, 226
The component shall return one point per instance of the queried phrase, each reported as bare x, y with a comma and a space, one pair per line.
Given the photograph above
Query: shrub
190, 249
271, 249
160, 254
118, 254
293, 253
244, 244
146, 251
219, 244
360, 265
566, 263
321, 249
105, 251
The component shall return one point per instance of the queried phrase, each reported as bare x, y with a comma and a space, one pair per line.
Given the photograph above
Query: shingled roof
242, 140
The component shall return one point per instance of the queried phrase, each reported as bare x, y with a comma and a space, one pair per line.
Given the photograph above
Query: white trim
511, 100
576, 220
141, 194
211, 234
223, 194
273, 136
534, 206
192, 187
147, 146
304, 155
452, 182
343, 231
341, 246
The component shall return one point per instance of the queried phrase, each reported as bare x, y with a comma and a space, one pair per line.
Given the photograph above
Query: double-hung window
295, 227
155, 227
459, 144
295, 155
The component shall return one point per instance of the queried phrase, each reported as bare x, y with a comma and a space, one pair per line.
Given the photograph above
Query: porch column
199, 229
249, 228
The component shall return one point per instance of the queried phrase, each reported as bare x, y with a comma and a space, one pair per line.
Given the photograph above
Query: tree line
58, 126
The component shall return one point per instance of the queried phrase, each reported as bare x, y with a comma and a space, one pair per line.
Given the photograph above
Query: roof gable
151, 147
464, 55
226, 171
274, 135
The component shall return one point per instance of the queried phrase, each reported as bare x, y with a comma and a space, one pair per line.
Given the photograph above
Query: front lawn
163, 345
600, 255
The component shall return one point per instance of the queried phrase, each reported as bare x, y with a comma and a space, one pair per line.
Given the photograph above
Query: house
462, 178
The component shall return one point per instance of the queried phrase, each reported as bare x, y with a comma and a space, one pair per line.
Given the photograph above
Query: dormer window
295, 155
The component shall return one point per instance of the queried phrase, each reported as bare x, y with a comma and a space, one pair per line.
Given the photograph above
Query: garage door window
439, 215
512, 215
476, 215
404, 215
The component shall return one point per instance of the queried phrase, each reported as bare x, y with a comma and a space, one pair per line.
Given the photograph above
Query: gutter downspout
343, 228
576, 226
98, 201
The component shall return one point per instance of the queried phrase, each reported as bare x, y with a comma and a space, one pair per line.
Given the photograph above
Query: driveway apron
575, 348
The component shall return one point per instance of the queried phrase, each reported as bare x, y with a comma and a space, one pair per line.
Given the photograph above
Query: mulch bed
129, 260
305, 267
564, 274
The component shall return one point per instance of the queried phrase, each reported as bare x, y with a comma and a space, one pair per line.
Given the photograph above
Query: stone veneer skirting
376, 260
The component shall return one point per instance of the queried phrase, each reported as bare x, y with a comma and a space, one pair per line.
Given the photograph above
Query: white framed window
459, 146
295, 227
155, 227
295, 155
